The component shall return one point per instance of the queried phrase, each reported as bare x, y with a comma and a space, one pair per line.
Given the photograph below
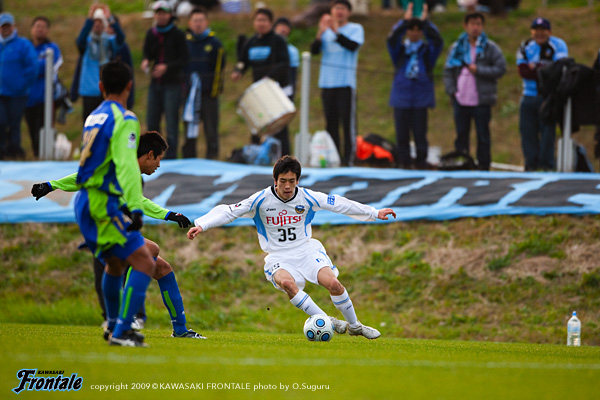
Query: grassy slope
351, 367
375, 71
501, 279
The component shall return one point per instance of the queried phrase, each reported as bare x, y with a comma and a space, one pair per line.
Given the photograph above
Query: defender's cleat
339, 326
130, 338
190, 334
366, 331
107, 333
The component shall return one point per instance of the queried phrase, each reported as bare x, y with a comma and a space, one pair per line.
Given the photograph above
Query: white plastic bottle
574, 331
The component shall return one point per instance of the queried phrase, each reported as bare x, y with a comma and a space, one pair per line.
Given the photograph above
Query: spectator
537, 137
34, 112
165, 57
474, 65
283, 27
412, 88
267, 54
596, 68
18, 70
207, 59
123, 55
96, 48
339, 40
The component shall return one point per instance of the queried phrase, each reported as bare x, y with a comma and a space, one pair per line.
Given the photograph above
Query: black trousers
34, 116
90, 104
339, 106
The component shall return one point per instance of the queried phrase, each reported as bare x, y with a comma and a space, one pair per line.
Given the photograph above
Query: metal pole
567, 142
47, 133
303, 137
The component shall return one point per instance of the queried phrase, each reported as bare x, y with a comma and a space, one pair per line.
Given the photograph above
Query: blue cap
574, 313
540, 22
7, 18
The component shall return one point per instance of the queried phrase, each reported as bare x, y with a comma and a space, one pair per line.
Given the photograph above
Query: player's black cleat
190, 334
107, 333
129, 338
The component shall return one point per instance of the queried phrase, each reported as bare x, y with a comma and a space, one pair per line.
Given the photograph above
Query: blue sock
134, 295
173, 301
111, 289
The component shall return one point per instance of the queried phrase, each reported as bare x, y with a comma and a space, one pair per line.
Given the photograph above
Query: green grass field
345, 368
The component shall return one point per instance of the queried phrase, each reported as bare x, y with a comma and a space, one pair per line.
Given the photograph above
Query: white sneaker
339, 326
366, 331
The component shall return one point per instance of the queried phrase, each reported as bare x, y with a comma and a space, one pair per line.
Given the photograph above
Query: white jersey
284, 225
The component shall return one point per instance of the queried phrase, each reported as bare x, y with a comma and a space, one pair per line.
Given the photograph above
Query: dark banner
193, 187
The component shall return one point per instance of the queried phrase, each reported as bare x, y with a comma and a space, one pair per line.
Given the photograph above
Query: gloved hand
181, 219
137, 222
39, 190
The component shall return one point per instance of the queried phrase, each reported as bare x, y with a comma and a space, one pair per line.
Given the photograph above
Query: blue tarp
193, 187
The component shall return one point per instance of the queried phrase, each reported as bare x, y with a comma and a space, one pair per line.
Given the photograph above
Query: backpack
457, 161
375, 150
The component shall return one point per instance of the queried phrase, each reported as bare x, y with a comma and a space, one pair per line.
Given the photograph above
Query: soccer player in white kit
282, 214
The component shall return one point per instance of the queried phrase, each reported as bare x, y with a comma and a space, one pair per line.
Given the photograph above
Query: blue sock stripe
337, 303
302, 301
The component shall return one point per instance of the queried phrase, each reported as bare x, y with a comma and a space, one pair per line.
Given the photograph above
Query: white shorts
303, 264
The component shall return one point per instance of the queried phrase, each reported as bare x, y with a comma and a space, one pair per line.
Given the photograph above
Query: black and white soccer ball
318, 328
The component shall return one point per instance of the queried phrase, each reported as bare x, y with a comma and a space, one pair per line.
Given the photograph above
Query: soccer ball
318, 328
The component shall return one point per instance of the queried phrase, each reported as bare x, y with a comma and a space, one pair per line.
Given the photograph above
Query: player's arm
124, 150
224, 214
153, 210
67, 184
353, 209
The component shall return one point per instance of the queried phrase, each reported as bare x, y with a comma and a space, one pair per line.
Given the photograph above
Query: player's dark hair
152, 141
198, 10
264, 11
287, 164
41, 18
115, 76
342, 2
474, 15
414, 23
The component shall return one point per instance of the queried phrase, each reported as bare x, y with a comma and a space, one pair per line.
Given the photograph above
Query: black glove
181, 219
39, 190
137, 222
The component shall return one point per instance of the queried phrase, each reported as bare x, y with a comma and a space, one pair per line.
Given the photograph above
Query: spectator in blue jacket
34, 113
207, 61
18, 69
537, 136
97, 48
412, 90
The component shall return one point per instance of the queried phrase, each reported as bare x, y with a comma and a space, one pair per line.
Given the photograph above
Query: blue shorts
104, 225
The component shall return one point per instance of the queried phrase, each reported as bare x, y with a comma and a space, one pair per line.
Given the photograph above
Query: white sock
303, 301
344, 304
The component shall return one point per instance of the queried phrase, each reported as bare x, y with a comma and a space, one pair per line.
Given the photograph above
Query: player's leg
341, 299
169, 290
112, 282
134, 292
299, 298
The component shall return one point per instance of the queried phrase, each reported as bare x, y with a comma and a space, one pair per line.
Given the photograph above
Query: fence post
47, 132
302, 141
